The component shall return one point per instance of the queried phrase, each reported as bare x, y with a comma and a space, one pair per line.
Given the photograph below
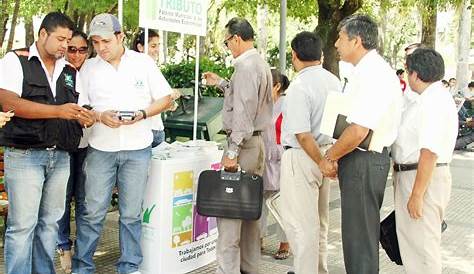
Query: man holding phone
124, 88
42, 88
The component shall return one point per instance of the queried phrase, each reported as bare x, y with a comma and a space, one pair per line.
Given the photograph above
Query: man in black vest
42, 89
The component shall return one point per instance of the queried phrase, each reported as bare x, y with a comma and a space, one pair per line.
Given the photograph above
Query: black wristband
143, 113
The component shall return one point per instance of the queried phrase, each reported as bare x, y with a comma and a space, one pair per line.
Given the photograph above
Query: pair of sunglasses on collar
81, 50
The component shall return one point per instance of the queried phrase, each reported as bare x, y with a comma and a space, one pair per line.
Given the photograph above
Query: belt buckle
51, 148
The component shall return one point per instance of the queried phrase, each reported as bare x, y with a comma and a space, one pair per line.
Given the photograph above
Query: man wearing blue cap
124, 88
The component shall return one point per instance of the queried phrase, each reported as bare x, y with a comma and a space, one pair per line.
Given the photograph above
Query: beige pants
420, 240
238, 244
305, 194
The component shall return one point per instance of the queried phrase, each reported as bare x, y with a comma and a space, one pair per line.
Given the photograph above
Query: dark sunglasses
73, 50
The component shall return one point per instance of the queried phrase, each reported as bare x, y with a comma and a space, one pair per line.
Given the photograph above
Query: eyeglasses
74, 50
226, 41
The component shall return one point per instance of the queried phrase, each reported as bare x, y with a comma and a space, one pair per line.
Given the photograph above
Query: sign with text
183, 16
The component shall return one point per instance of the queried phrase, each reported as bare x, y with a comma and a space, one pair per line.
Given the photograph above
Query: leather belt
288, 147
255, 133
408, 167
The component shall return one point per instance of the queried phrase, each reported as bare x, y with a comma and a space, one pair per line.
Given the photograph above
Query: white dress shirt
134, 85
304, 105
431, 122
11, 76
375, 96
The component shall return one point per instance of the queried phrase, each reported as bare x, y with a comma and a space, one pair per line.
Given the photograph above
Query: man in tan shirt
246, 113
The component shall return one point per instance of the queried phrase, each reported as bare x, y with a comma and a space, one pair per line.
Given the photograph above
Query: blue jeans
158, 137
129, 170
36, 185
75, 187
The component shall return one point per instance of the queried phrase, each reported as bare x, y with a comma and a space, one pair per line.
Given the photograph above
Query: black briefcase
389, 240
234, 195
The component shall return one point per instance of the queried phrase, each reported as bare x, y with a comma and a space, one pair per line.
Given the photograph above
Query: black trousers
362, 180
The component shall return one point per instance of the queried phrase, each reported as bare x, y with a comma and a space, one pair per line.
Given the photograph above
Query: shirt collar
244, 56
33, 52
306, 69
434, 87
367, 58
126, 54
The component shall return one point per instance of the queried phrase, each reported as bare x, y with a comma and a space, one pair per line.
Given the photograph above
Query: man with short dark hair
42, 89
422, 153
246, 113
304, 184
125, 88
375, 105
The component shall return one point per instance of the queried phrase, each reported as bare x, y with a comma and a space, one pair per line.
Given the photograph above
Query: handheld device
126, 115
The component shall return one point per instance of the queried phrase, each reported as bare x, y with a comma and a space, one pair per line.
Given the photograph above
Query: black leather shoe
290, 272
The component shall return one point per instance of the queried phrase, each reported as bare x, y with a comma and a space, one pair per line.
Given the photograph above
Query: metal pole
120, 12
196, 90
282, 46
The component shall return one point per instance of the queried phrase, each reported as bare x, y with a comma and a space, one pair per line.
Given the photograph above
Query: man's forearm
159, 106
352, 136
310, 146
26, 109
426, 165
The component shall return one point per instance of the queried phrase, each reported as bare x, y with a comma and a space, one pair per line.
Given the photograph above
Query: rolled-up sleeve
245, 93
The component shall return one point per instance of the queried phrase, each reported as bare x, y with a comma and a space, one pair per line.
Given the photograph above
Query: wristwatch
232, 154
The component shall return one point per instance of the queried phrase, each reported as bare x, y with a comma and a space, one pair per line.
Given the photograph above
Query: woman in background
138, 45
76, 55
273, 152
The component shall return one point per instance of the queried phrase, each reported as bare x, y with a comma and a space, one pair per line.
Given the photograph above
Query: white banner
182, 16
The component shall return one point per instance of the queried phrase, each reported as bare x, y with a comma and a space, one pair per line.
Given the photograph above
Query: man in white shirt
304, 184
422, 152
42, 89
376, 102
119, 147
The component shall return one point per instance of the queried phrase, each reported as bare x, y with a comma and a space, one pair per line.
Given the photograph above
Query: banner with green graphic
183, 16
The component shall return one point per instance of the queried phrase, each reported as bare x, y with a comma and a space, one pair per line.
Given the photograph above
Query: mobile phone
126, 115
88, 107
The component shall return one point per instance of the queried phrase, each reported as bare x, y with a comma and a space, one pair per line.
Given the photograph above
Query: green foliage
180, 75
273, 57
298, 9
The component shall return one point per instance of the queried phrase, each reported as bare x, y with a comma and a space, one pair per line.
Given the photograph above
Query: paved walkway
457, 240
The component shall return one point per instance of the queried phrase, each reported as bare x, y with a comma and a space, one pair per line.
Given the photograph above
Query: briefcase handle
231, 176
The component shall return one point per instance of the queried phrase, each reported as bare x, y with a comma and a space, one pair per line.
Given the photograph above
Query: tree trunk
262, 36
29, 31
464, 41
429, 14
214, 46
330, 15
81, 21
13, 25
3, 20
